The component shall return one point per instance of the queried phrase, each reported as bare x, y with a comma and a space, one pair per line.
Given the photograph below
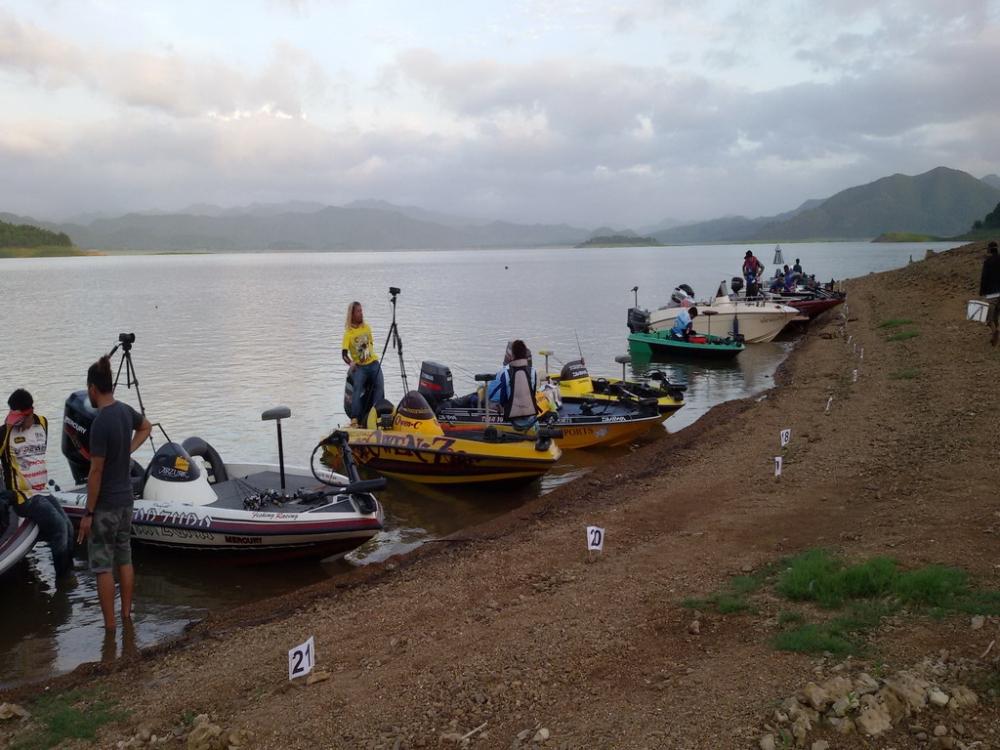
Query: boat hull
758, 324
17, 540
569, 393
446, 459
662, 344
574, 436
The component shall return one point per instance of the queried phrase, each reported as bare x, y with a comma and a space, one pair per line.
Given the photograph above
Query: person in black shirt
989, 287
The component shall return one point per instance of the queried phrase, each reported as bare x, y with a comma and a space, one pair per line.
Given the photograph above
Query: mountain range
942, 202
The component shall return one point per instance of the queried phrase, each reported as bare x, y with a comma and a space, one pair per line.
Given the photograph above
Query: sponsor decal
244, 540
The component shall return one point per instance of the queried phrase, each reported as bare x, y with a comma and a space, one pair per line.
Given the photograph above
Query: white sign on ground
595, 538
302, 659
777, 466
855, 376
828, 402
786, 436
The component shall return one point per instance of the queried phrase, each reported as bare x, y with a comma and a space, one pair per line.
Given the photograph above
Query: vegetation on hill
906, 237
26, 235
985, 228
620, 240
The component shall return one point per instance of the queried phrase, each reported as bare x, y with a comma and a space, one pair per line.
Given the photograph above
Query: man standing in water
989, 287
117, 431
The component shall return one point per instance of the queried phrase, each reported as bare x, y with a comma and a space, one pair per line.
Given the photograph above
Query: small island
27, 241
620, 240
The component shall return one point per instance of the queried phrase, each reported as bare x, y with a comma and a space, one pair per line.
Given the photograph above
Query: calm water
220, 338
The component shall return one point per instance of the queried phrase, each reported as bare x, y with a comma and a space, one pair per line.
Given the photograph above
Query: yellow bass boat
576, 385
408, 443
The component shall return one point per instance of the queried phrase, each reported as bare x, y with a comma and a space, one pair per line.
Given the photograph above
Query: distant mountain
421, 214
728, 228
993, 180
330, 228
610, 232
26, 235
661, 226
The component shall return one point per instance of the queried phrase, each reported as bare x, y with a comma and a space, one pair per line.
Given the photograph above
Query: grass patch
933, 586
734, 597
53, 251
903, 336
907, 373
788, 617
71, 715
813, 639
895, 323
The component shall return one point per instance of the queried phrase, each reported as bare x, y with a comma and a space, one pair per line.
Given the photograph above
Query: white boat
188, 499
17, 537
758, 321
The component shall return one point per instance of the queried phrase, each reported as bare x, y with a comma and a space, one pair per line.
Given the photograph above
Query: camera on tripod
394, 290
126, 340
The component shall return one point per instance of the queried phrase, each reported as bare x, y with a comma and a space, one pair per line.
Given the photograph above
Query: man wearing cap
989, 287
23, 440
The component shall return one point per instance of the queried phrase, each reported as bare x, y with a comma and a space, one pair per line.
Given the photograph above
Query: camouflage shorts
109, 545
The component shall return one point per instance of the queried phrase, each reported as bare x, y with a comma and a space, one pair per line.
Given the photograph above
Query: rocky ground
511, 636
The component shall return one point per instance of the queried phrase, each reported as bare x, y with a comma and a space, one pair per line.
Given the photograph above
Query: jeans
54, 527
365, 376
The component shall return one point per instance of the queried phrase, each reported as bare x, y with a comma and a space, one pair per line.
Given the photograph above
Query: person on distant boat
684, 324
752, 270
514, 388
797, 268
358, 353
789, 280
989, 287
23, 440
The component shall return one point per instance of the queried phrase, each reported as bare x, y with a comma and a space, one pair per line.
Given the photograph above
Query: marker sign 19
595, 538
786, 436
777, 466
301, 659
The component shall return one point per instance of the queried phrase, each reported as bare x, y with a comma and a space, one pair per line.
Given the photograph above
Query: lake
220, 338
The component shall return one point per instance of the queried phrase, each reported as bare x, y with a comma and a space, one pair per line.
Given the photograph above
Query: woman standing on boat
358, 353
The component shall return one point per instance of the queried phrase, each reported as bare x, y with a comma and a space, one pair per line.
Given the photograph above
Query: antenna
578, 347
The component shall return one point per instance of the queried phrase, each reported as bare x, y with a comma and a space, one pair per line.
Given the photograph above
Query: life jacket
13, 479
519, 399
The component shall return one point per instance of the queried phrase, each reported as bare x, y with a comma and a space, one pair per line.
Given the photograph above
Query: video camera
394, 290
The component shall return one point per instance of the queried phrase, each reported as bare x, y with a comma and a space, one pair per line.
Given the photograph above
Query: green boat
703, 347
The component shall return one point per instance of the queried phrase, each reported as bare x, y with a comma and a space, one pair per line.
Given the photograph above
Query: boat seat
278, 412
623, 359
484, 377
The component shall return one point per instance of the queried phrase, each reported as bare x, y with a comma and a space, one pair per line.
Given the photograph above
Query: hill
23, 235
993, 180
727, 228
299, 227
941, 202
620, 240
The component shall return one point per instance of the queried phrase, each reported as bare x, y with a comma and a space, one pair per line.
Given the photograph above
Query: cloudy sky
583, 111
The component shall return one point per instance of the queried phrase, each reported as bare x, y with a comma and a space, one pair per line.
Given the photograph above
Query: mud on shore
511, 625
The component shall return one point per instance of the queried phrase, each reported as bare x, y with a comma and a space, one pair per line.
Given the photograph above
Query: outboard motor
638, 320
736, 284
435, 382
682, 295
174, 477
574, 370
78, 416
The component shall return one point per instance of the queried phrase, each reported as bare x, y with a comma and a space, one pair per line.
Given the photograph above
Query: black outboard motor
435, 383
573, 370
736, 283
638, 320
78, 416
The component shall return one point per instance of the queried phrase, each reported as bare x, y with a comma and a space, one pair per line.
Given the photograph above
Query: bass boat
408, 443
662, 343
756, 321
17, 537
576, 385
581, 423
188, 499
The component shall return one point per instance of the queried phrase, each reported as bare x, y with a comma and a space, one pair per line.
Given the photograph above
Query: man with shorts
989, 287
118, 430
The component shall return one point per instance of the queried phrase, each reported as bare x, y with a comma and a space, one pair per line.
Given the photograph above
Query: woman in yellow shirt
358, 353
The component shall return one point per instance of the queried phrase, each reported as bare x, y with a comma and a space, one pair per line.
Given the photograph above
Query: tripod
394, 338
125, 341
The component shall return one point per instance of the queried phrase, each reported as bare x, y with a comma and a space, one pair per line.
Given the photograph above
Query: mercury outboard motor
78, 416
435, 383
638, 320
736, 284
682, 295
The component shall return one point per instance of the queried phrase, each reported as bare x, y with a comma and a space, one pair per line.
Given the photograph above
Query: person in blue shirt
790, 279
514, 386
684, 323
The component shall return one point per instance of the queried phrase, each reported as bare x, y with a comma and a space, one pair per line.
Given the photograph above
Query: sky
588, 112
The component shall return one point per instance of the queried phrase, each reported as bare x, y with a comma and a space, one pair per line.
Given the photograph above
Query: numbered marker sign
777, 466
595, 538
828, 402
862, 355
786, 436
855, 376
301, 659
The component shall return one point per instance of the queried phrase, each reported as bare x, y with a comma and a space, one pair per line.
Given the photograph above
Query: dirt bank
511, 626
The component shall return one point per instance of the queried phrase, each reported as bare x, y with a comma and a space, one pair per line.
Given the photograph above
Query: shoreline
601, 653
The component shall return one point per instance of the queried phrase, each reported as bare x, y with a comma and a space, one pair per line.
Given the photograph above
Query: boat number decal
171, 517
595, 538
166, 532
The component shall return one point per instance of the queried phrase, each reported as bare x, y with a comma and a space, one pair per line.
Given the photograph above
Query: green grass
895, 323
71, 715
903, 336
813, 639
55, 251
788, 617
907, 373
735, 596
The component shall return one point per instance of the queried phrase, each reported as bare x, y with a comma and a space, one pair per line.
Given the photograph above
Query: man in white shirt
23, 441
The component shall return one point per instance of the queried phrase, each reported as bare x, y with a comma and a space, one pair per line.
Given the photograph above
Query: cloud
165, 82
